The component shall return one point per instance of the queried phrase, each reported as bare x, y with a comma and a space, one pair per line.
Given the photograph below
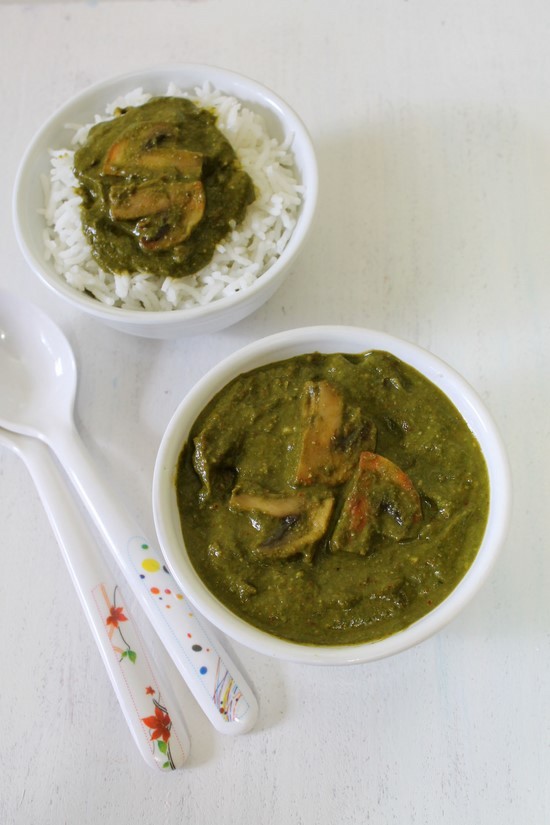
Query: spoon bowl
37, 368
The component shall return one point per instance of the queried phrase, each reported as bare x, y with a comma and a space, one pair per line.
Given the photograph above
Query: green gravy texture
160, 186
332, 499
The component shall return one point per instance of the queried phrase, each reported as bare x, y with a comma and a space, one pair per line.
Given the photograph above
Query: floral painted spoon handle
157, 729
212, 676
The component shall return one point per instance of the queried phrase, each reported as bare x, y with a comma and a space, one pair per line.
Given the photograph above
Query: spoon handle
139, 689
211, 675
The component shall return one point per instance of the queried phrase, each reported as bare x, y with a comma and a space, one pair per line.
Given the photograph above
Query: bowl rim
277, 347
173, 317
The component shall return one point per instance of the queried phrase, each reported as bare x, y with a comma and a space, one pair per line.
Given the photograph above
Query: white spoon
38, 387
140, 690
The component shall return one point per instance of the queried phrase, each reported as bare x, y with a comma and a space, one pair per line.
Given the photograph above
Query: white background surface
431, 122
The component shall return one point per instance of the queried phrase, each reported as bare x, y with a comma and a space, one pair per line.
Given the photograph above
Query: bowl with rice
251, 255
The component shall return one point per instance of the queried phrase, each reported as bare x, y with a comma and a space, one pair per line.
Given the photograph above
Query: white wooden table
431, 119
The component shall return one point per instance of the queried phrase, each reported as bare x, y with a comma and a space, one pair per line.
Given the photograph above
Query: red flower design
160, 724
150, 691
115, 616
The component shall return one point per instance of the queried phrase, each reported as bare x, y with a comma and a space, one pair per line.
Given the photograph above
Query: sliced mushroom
166, 229
301, 533
330, 445
201, 462
381, 498
322, 411
150, 146
187, 163
116, 158
270, 505
130, 202
133, 141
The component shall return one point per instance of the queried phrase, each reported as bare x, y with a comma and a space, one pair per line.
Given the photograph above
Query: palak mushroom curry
332, 499
160, 187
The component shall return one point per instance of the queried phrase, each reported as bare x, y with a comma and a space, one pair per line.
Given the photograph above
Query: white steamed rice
243, 255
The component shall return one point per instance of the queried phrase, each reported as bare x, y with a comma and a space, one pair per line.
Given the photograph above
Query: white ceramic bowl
327, 340
281, 122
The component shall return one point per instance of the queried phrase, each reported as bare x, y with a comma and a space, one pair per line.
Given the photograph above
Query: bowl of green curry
331, 495
169, 201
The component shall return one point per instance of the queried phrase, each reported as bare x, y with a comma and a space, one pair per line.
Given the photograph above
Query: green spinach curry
332, 499
160, 187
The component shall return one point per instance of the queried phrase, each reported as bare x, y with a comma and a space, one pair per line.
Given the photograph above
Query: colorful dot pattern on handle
198, 648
